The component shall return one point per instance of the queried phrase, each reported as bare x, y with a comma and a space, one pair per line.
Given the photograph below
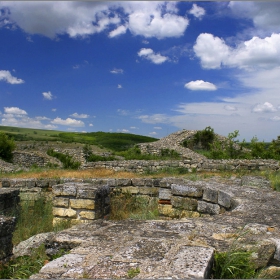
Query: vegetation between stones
34, 217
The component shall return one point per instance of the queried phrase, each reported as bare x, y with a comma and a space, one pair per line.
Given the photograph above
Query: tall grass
125, 205
235, 263
34, 217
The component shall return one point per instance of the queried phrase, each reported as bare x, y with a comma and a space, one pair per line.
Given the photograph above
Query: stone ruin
215, 214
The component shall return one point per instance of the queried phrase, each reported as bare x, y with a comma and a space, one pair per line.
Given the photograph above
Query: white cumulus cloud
256, 52
264, 108
117, 71
14, 111
78, 18
7, 77
118, 31
153, 57
197, 11
80, 116
264, 14
68, 122
200, 85
47, 95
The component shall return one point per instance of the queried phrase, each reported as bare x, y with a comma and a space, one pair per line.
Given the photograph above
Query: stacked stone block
9, 199
177, 198
79, 202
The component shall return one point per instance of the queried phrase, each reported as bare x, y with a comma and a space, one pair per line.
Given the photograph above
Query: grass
109, 140
234, 264
23, 267
125, 205
274, 178
35, 217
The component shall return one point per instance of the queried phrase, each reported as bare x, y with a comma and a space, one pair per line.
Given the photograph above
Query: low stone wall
141, 166
84, 202
31, 189
9, 199
28, 159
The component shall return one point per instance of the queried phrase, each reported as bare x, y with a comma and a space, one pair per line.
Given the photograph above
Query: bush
7, 146
67, 160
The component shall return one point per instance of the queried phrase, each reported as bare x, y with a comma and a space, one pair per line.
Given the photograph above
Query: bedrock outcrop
172, 249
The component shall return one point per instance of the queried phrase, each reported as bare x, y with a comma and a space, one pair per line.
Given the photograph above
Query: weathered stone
224, 199
208, 208
82, 204
86, 191
67, 189
271, 272
256, 181
166, 210
210, 195
184, 203
186, 190
26, 247
61, 202
130, 189
64, 212
152, 191
90, 215
164, 194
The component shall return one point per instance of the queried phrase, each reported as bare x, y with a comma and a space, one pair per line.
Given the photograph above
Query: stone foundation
9, 199
177, 198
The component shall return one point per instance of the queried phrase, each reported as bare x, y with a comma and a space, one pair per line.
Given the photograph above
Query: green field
109, 140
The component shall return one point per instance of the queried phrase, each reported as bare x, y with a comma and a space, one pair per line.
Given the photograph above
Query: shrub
67, 160
205, 137
7, 146
87, 152
93, 158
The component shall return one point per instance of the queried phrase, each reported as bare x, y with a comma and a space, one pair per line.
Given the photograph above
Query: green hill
110, 140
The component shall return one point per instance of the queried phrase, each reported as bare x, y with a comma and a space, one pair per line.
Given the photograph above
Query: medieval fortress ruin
199, 217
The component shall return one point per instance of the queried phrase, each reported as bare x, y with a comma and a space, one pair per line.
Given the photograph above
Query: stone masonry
171, 249
9, 199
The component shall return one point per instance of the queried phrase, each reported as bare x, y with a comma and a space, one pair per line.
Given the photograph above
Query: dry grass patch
59, 173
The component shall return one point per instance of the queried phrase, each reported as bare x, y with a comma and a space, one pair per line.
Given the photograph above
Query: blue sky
149, 68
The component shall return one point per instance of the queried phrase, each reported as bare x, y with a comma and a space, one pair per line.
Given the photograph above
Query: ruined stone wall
28, 159
9, 199
141, 166
84, 202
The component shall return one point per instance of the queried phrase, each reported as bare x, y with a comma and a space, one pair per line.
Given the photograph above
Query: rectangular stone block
67, 189
149, 191
184, 203
210, 195
6, 183
166, 210
208, 208
123, 182
61, 202
42, 183
130, 189
31, 184
224, 199
64, 212
191, 262
164, 194
190, 190
87, 192
82, 203
167, 182
90, 215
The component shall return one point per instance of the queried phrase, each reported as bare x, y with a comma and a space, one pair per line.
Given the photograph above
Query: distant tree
7, 146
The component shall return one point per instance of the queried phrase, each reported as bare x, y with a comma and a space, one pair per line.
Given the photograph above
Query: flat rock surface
171, 249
